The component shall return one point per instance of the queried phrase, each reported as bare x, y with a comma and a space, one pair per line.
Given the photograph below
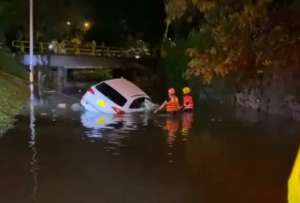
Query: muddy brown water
215, 155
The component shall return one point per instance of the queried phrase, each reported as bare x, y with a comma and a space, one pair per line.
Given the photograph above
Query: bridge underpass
67, 57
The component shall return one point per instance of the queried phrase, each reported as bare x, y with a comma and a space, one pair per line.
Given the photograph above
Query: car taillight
117, 110
91, 90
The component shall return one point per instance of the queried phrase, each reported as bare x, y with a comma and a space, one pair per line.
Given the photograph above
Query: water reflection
112, 129
34, 170
176, 126
177, 123
32, 145
187, 122
172, 127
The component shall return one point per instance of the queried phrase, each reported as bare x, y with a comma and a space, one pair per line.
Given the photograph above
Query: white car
116, 96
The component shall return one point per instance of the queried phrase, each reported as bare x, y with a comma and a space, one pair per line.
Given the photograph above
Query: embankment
13, 90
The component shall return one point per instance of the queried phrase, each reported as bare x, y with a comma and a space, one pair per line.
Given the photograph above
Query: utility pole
31, 75
31, 44
32, 141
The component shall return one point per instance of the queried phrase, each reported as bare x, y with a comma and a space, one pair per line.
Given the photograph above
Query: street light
86, 25
68, 23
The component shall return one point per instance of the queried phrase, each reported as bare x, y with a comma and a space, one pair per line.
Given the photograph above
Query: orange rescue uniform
173, 104
188, 102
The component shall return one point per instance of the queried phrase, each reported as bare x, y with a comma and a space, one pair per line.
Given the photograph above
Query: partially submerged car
116, 96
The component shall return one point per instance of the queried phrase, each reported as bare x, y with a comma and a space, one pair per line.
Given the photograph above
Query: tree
248, 36
12, 14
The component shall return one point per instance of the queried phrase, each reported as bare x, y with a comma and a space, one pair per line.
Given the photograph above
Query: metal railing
69, 48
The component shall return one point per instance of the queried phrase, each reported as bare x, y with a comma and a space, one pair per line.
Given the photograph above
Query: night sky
115, 20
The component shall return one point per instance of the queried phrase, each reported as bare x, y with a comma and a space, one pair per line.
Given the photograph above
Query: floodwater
214, 155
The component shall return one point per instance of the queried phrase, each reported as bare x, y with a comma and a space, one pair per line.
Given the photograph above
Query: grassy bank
13, 95
13, 89
9, 64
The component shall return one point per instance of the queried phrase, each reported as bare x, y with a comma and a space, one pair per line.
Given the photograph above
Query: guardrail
69, 48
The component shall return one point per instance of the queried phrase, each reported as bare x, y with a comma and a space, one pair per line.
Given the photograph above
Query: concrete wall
275, 93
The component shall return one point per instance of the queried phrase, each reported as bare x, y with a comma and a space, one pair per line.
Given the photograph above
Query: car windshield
111, 93
137, 103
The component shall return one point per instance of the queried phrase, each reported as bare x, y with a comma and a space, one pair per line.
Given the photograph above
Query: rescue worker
188, 102
172, 105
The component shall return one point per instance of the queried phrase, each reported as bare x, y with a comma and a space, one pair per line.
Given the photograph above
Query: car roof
126, 88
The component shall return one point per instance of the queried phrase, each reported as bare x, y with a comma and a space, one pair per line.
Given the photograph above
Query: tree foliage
248, 36
12, 13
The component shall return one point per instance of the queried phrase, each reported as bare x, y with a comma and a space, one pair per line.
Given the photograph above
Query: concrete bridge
69, 56
74, 61
74, 56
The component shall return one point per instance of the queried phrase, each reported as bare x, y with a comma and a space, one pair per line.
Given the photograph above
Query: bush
10, 64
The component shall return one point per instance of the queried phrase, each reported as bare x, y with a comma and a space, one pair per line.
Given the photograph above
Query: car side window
111, 93
137, 103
